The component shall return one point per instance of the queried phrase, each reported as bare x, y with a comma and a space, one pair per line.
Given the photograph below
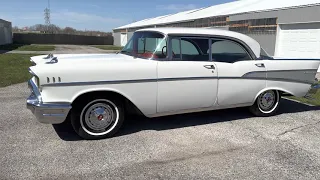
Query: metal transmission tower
47, 15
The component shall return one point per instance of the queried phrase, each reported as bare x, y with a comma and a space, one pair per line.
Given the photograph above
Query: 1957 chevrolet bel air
163, 71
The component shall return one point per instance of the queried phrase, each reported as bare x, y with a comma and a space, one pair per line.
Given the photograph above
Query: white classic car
163, 71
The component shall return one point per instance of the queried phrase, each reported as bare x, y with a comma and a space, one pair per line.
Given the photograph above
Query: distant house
5, 32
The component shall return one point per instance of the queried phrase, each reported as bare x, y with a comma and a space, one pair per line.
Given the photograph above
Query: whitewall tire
97, 118
266, 104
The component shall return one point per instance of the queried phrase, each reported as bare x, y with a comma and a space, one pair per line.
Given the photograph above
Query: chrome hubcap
267, 100
99, 116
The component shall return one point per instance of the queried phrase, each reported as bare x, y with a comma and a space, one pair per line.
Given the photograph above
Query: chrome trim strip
171, 79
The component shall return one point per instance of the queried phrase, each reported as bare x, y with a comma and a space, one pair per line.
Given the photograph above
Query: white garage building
285, 28
5, 32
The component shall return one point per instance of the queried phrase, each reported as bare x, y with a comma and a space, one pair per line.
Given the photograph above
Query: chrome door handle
209, 66
260, 65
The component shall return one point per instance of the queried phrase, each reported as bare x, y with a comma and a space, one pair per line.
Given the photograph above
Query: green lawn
315, 101
108, 47
25, 47
14, 68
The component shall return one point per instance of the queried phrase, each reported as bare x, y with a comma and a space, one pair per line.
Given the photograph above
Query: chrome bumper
46, 113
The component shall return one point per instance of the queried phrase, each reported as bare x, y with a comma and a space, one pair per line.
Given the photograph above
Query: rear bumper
49, 113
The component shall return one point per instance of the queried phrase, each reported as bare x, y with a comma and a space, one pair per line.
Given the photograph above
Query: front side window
146, 45
228, 51
189, 49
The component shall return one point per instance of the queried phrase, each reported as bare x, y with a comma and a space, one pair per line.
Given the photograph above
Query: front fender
113, 90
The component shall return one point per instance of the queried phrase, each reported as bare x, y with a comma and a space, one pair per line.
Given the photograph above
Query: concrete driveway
227, 144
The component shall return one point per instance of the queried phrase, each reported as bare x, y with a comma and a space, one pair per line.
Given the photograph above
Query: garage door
299, 41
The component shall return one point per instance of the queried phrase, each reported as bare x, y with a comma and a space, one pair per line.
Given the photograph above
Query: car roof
253, 44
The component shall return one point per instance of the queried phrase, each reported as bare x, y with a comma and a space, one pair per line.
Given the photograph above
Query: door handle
260, 65
209, 66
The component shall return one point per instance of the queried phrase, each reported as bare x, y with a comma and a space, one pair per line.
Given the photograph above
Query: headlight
32, 62
36, 78
37, 81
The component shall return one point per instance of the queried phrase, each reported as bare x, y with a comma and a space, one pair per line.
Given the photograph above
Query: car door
189, 80
240, 77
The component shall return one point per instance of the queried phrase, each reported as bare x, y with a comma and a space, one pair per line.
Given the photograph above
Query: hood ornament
50, 56
53, 60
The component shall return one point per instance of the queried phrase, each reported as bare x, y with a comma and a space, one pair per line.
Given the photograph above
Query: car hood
90, 67
77, 58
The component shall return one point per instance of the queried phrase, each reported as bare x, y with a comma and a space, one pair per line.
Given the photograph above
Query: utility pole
47, 16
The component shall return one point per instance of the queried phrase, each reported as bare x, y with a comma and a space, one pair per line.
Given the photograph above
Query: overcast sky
103, 15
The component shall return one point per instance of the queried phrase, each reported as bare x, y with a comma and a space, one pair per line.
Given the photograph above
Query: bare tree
15, 29
69, 30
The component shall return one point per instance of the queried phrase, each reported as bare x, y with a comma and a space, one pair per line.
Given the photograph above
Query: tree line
54, 29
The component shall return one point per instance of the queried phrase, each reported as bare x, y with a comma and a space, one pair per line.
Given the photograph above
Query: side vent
54, 79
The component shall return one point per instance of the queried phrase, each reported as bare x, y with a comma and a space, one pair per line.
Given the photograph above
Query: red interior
145, 55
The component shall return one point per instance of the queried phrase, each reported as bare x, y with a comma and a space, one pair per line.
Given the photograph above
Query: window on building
266, 25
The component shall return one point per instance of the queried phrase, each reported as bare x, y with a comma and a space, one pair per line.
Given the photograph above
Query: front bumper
49, 113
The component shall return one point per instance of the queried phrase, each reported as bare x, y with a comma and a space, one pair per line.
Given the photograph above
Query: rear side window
228, 51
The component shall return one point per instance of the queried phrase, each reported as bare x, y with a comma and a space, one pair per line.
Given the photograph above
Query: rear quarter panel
292, 76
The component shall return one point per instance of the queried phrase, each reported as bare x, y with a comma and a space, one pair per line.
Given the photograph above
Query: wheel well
128, 105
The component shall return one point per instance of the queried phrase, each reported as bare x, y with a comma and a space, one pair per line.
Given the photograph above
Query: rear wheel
97, 118
267, 103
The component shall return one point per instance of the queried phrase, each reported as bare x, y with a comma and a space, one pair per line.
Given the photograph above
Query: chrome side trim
51, 113
173, 79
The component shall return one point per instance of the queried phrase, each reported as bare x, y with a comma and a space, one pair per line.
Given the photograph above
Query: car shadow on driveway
135, 124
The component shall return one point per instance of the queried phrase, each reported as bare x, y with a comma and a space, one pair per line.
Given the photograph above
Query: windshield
146, 45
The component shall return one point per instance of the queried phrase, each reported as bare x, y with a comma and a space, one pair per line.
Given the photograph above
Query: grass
108, 47
14, 68
26, 47
314, 101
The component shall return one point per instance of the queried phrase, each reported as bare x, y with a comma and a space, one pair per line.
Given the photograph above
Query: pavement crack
295, 128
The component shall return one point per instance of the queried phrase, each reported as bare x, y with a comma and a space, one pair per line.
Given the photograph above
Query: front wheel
97, 118
267, 104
